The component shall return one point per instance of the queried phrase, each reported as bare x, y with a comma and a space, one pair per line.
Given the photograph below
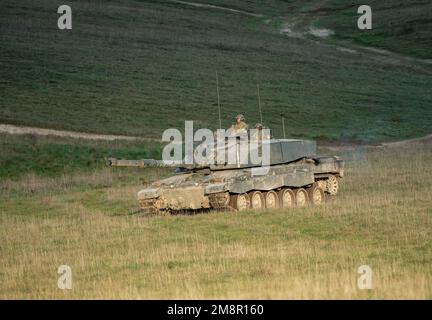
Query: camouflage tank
295, 177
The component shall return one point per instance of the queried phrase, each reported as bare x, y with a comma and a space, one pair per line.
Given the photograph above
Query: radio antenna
259, 97
218, 99
283, 126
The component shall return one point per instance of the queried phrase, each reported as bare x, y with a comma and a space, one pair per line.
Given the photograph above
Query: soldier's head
259, 126
239, 118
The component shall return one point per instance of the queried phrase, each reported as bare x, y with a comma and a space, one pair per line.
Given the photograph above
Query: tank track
148, 206
220, 201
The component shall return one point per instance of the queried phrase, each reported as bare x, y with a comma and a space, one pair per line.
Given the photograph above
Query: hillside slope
399, 26
139, 67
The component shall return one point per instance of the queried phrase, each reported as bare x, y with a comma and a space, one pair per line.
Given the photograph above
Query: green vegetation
382, 218
47, 156
139, 67
398, 25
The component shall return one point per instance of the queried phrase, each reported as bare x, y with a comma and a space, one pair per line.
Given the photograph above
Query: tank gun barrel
144, 163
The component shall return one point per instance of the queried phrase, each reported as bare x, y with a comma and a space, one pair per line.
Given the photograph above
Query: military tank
295, 177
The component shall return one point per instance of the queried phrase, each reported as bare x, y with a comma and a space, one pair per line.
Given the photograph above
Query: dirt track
406, 143
337, 146
210, 6
19, 130
22, 130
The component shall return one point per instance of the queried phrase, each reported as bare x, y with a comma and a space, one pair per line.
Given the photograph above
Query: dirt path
19, 130
410, 142
210, 6
352, 146
22, 130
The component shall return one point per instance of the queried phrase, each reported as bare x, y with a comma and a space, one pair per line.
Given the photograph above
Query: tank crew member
259, 134
240, 126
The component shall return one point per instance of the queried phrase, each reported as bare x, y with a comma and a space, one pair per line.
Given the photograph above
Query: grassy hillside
382, 218
139, 67
400, 26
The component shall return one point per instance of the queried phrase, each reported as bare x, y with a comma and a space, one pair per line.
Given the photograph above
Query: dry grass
382, 218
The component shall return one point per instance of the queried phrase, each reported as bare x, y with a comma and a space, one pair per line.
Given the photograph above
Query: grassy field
54, 156
139, 67
382, 218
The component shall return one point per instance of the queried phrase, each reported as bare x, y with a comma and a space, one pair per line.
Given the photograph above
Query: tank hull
197, 190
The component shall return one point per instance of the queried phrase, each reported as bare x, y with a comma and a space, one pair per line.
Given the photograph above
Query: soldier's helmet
240, 117
259, 126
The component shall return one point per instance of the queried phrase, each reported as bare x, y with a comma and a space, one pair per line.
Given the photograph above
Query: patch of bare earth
321, 32
22, 130
210, 6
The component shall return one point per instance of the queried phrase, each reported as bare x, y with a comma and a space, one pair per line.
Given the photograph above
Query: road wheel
272, 200
287, 198
332, 185
257, 200
240, 202
301, 197
322, 183
219, 200
316, 194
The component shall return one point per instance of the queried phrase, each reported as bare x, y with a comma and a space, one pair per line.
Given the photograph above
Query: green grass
139, 67
381, 217
132, 67
399, 26
47, 156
